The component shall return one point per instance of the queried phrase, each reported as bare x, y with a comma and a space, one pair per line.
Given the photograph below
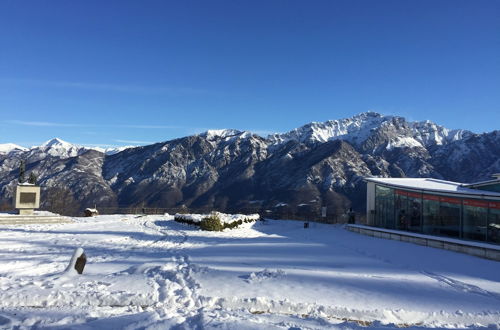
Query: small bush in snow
227, 221
212, 223
185, 219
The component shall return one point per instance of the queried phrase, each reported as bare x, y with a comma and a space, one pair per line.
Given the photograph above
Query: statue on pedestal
27, 195
22, 170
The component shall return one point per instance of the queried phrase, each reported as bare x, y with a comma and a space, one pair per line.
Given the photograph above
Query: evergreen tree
22, 170
32, 179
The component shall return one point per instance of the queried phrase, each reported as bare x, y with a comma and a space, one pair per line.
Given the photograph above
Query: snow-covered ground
151, 272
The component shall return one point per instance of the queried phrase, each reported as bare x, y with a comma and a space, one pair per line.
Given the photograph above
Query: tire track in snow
461, 286
165, 235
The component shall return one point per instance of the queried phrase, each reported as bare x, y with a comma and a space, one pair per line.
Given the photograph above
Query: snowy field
153, 273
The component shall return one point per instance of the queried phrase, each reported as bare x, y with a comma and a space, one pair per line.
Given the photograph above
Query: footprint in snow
265, 274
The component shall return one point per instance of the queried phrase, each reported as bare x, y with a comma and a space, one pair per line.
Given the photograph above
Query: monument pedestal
36, 218
27, 198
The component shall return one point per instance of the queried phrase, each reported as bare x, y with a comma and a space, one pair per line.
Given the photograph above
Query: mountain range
318, 164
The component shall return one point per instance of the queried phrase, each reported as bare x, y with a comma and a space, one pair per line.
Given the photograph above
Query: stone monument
27, 196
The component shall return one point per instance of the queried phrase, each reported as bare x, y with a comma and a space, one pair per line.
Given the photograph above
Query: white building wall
370, 202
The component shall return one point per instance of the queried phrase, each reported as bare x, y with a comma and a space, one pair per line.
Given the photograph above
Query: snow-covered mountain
56, 147
59, 148
316, 164
6, 148
218, 134
358, 129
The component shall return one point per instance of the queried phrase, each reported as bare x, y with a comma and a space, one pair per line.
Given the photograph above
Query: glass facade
431, 215
401, 208
415, 212
475, 219
493, 229
449, 216
471, 219
384, 203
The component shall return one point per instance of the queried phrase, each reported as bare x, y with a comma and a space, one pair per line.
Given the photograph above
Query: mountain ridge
349, 129
231, 169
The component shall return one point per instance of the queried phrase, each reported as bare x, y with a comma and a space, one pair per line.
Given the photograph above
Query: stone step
33, 219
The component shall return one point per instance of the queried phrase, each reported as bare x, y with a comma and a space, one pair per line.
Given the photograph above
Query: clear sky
134, 72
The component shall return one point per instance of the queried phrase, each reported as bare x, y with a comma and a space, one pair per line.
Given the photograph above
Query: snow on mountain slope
355, 128
403, 142
228, 168
224, 134
56, 143
110, 151
59, 148
428, 133
359, 128
6, 148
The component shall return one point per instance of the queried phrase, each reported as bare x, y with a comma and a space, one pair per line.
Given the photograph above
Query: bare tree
337, 203
60, 200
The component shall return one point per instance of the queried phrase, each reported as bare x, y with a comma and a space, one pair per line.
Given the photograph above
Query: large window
384, 207
415, 211
475, 219
449, 216
401, 209
432, 223
494, 223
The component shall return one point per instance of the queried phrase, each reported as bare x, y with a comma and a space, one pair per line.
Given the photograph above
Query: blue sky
135, 72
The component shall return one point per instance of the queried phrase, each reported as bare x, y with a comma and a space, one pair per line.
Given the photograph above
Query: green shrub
231, 225
181, 219
211, 223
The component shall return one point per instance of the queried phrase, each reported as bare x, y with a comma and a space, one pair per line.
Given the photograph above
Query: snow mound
265, 274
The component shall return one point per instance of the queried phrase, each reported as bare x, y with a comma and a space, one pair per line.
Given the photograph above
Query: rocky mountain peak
368, 128
56, 142
354, 129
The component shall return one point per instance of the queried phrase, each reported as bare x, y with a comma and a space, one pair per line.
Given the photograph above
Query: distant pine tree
22, 171
32, 179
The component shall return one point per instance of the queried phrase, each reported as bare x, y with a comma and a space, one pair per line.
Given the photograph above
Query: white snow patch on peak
224, 133
360, 127
429, 133
356, 128
8, 147
403, 141
59, 148
58, 143
112, 151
